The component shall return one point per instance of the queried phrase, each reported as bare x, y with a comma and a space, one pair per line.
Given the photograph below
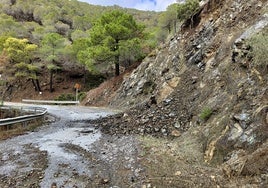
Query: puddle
62, 162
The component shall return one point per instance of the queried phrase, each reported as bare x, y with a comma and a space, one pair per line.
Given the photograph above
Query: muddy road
70, 153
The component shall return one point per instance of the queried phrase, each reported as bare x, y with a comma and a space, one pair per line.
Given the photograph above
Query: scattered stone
177, 125
178, 173
176, 133
53, 185
105, 181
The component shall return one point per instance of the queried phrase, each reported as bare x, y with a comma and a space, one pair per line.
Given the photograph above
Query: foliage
168, 19
49, 23
19, 50
82, 96
62, 26
175, 13
52, 67
66, 97
130, 51
8, 26
52, 47
71, 97
51, 50
205, 113
258, 53
187, 9
21, 54
108, 35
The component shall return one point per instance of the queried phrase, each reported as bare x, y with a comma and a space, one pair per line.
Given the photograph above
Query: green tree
10, 26
51, 50
21, 54
187, 9
111, 30
130, 51
168, 19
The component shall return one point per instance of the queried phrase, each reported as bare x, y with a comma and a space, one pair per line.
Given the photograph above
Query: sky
156, 5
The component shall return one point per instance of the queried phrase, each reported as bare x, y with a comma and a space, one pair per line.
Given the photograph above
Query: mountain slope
203, 90
72, 20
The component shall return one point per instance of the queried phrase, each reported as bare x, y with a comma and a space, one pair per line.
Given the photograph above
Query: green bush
205, 113
66, 97
82, 96
258, 52
187, 9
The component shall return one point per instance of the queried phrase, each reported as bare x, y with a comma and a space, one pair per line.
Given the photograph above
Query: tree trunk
51, 82
117, 66
38, 85
117, 69
34, 84
175, 27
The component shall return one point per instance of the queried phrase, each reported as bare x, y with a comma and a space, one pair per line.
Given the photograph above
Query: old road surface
69, 152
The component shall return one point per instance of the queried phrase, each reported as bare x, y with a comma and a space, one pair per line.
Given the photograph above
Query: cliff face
203, 82
205, 48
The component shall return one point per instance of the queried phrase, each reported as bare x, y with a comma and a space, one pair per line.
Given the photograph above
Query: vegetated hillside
206, 88
69, 21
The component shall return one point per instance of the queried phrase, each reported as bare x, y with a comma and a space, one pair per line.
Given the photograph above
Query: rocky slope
201, 84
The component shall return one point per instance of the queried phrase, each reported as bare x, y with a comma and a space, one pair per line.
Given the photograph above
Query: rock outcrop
204, 68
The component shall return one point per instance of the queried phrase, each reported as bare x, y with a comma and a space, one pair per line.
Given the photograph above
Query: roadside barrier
49, 101
32, 113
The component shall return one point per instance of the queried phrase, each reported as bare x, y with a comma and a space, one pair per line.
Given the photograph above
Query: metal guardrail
49, 101
37, 113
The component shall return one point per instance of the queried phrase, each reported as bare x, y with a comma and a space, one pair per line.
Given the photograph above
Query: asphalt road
68, 153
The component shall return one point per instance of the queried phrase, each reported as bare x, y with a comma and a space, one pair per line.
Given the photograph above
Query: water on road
67, 152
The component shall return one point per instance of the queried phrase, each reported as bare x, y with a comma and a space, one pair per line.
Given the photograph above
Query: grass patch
258, 52
205, 113
66, 97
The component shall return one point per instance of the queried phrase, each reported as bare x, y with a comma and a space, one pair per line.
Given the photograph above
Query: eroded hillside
203, 91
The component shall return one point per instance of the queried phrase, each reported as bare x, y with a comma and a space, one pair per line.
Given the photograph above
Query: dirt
70, 153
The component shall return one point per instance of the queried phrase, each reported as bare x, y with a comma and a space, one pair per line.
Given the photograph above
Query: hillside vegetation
47, 43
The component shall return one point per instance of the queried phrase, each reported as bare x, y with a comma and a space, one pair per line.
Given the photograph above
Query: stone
164, 92
163, 130
177, 125
53, 185
236, 132
172, 114
174, 82
242, 117
105, 181
178, 173
176, 133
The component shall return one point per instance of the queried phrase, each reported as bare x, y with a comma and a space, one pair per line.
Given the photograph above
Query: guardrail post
24, 124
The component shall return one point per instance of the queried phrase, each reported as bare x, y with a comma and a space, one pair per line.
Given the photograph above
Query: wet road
61, 152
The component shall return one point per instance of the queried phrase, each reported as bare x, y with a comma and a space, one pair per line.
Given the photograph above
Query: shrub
66, 97
205, 113
187, 9
258, 53
82, 96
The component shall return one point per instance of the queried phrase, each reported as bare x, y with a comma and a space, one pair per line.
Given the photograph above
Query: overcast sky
157, 5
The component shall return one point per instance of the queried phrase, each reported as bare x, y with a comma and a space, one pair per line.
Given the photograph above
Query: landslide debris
202, 86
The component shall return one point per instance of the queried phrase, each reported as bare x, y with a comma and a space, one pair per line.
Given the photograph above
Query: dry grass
7, 132
177, 162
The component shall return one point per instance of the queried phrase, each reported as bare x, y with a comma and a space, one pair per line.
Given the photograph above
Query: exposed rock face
157, 75
196, 69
